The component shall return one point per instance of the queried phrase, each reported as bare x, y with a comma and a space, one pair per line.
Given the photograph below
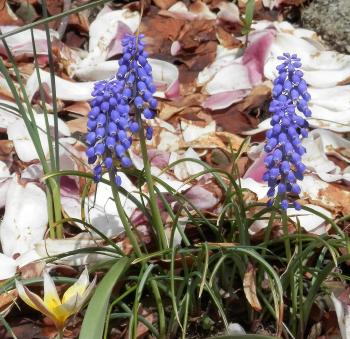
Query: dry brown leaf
7, 16
79, 107
6, 300
249, 286
78, 125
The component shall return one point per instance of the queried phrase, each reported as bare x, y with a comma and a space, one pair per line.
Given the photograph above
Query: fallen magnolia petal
325, 194
185, 169
7, 115
229, 12
309, 221
201, 197
259, 188
18, 133
333, 143
255, 54
191, 132
339, 94
106, 33
25, 219
224, 99
65, 90
8, 267
322, 117
165, 75
223, 81
20, 44
197, 11
54, 247
101, 210
224, 58
256, 170
342, 309
262, 127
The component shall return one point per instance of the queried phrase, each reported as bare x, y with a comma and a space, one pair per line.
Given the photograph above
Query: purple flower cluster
284, 159
113, 117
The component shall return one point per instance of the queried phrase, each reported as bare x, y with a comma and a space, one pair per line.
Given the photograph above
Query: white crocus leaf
342, 310
191, 132
223, 81
8, 267
101, 209
20, 43
54, 247
185, 169
165, 75
25, 149
65, 90
25, 219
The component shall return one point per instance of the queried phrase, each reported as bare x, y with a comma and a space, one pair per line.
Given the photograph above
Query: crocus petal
33, 301
51, 298
78, 288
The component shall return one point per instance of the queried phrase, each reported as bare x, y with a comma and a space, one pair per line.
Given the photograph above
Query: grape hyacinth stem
130, 234
157, 219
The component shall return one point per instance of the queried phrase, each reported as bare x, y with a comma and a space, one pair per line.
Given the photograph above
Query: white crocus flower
52, 306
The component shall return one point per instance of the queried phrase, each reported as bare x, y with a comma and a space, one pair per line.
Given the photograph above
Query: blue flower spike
111, 120
283, 141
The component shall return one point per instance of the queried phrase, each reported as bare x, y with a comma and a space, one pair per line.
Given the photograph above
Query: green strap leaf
94, 320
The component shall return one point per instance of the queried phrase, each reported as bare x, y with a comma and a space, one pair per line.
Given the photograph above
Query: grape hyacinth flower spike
116, 103
283, 146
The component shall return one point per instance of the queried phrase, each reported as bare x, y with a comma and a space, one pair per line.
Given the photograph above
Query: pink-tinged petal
20, 44
224, 99
115, 47
255, 55
256, 169
201, 198
175, 48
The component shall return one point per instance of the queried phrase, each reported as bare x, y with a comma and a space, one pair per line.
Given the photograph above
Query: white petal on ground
101, 210
191, 132
65, 90
229, 78
343, 315
185, 169
25, 219
165, 75
53, 247
259, 188
8, 267
224, 57
7, 116
17, 132
20, 43
311, 222
106, 31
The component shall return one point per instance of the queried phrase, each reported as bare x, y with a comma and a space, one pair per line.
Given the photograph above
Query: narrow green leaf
94, 320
